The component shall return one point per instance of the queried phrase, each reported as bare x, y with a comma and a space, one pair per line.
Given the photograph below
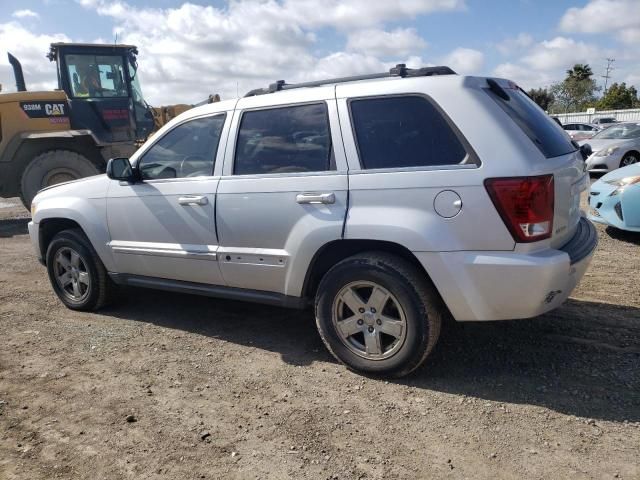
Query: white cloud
30, 49
465, 61
546, 62
618, 17
343, 64
561, 52
525, 77
192, 50
513, 44
24, 14
341, 14
346, 14
398, 42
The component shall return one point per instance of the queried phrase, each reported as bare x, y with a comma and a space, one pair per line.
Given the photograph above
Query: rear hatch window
548, 136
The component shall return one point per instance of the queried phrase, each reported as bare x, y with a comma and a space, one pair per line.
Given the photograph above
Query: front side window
284, 140
189, 150
396, 132
96, 76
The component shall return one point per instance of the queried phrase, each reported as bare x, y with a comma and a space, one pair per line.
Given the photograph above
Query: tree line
578, 91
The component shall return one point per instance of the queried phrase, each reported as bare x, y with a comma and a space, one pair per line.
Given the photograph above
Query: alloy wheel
71, 274
369, 320
629, 160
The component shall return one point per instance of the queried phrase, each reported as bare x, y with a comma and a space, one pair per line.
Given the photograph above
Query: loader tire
52, 167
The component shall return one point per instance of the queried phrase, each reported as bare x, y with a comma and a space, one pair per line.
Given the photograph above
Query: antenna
607, 75
115, 39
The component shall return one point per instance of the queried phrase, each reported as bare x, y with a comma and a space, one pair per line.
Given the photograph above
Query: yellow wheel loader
98, 112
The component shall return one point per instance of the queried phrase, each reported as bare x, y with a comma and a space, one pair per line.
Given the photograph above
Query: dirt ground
220, 389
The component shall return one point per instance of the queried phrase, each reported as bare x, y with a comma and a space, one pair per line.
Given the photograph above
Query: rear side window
534, 122
408, 131
284, 140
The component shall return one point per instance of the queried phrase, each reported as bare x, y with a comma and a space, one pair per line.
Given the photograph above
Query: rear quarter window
550, 139
403, 131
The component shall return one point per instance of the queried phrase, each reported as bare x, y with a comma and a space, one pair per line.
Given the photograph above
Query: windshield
96, 76
620, 132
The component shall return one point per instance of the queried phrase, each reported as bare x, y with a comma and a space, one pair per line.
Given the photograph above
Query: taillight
525, 205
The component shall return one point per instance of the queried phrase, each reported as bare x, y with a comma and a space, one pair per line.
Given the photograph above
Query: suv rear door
411, 169
283, 193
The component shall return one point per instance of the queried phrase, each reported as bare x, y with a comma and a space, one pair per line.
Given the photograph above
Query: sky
189, 50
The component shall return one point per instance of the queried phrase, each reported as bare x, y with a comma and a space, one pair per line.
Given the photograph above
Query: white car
385, 202
580, 131
615, 147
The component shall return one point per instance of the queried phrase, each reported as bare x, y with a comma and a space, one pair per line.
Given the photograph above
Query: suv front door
163, 226
283, 193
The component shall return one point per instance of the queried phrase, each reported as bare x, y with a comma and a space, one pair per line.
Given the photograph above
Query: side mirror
120, 169
586, 151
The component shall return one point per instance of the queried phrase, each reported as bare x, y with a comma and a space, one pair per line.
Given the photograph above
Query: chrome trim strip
160, 252
164, 250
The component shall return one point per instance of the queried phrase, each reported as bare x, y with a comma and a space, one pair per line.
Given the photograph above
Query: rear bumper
507, 285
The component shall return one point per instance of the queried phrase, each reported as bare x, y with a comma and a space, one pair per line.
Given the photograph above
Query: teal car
614, 199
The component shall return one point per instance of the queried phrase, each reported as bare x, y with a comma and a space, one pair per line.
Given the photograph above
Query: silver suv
387, 202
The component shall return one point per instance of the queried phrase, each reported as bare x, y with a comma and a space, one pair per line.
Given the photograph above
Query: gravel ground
173, 386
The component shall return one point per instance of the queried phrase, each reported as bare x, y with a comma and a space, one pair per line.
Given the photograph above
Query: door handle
193, 200
316, 198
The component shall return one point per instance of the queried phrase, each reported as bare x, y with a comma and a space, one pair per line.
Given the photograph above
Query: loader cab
104, 93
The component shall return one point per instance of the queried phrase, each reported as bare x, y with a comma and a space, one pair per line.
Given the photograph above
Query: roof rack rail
400, 70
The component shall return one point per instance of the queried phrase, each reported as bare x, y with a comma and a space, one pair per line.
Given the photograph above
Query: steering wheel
299, 136
189, 171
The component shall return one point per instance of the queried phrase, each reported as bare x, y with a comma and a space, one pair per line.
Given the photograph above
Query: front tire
629, 159
76, 273
53, 167
377, 313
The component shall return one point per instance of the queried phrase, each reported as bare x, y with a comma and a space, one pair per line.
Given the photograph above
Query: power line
607, 76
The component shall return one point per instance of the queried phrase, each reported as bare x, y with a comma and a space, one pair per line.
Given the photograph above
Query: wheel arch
49, 228
632, 151
333, 252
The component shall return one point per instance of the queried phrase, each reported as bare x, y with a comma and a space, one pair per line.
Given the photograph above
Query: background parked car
615, 199
581, 131
614, 147
604, 121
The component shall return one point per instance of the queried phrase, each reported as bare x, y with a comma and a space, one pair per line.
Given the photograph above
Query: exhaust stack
17, 73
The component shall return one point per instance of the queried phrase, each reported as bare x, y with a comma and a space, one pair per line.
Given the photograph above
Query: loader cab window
139, 104
96, 76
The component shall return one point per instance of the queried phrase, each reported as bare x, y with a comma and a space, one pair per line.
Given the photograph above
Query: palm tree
580, 72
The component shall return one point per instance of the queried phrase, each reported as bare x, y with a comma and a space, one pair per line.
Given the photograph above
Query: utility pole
607, 75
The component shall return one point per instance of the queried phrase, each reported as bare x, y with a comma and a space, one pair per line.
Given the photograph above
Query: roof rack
400, 70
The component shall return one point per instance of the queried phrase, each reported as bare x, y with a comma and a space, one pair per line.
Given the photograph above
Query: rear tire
76, 273
52, 167
392, 339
